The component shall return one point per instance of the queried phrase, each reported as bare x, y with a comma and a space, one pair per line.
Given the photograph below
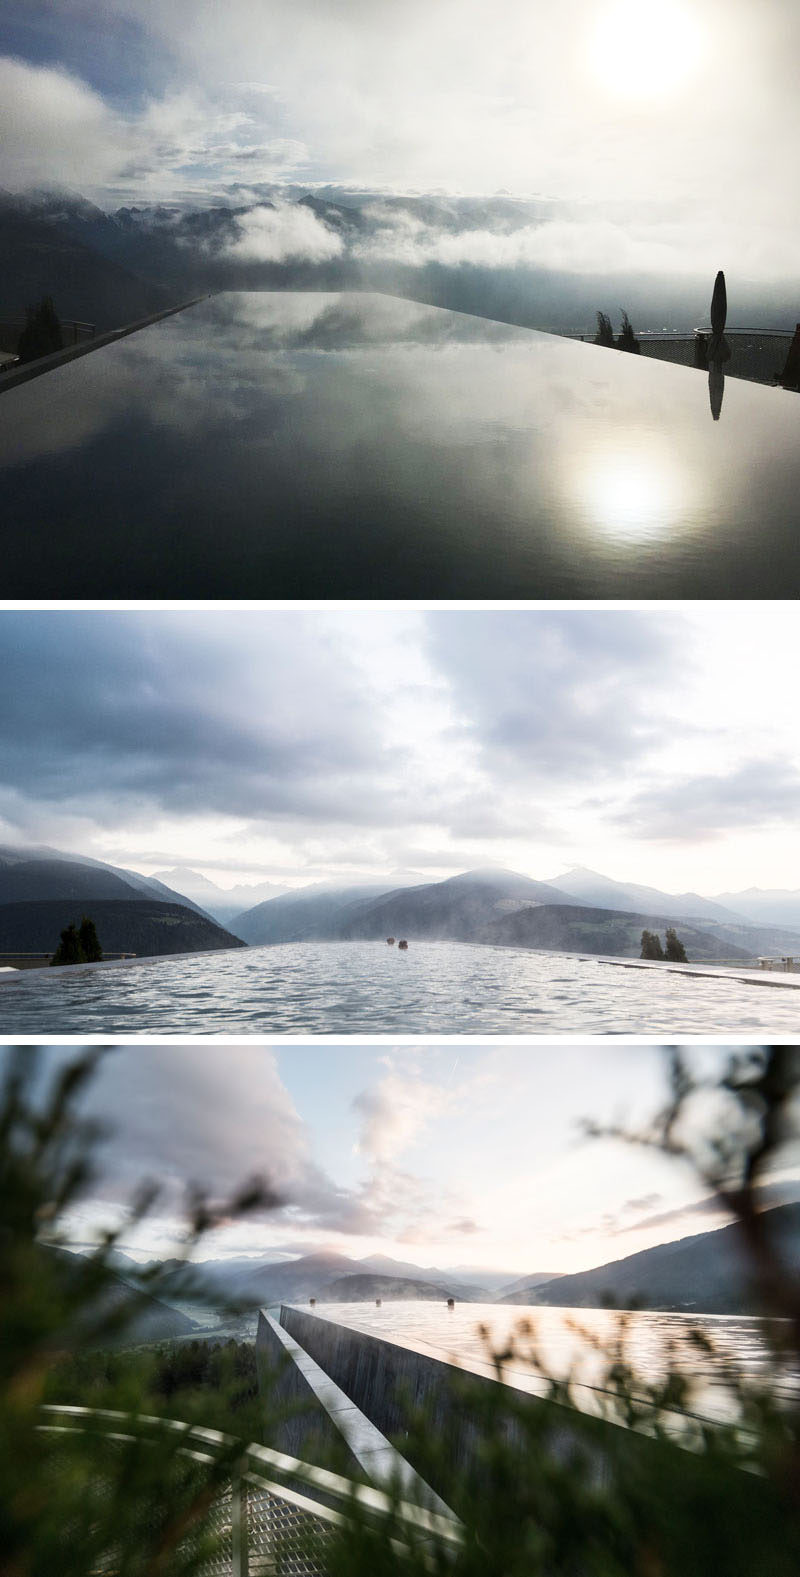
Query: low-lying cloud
283, 234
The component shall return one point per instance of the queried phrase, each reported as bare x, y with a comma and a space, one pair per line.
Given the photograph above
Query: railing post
239, 1558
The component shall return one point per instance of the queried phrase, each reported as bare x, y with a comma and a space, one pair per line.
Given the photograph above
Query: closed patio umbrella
719, 350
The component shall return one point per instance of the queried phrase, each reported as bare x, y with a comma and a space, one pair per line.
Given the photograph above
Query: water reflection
565, 1341
292, 444
635, 492
716, 389
349, 988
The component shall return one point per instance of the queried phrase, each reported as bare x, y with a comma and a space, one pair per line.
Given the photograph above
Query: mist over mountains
707, 1272
222, 903
42, 890
492, 256
506, 909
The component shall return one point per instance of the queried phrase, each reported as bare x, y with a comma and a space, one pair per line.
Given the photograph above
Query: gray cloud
122, 709
758, 793
709, 1206
547, 696
183, 1115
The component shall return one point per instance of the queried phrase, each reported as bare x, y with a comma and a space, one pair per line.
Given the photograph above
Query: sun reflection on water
633, 493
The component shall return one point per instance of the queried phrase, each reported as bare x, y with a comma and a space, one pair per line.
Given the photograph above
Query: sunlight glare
639, 50
632, 494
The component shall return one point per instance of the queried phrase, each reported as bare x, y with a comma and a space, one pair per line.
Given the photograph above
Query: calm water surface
455, 1335
358, 445
344, 988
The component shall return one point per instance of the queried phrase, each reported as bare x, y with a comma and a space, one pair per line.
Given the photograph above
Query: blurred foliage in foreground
544, 1491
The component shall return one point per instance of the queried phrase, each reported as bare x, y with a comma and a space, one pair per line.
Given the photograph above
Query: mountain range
113, 268
222, 903
506, 909
707, 1272
324, 1275
43, 890
117, 1297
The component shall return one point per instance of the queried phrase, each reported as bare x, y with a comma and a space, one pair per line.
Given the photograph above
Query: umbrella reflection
719, 350
716, 389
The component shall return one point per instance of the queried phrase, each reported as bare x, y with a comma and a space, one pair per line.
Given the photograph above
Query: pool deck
748, 977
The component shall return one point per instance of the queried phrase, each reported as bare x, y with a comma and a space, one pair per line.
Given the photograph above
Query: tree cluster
605, 334
673, 952
79, 944
42, 334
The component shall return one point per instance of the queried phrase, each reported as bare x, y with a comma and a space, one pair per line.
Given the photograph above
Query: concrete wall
309, 1416
392, 1385
295, 1419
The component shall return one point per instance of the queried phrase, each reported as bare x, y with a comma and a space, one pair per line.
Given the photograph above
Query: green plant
70, 948
642, 1485
83, 1503
627, 339
674, 952
89, 941
42, 332
651, 945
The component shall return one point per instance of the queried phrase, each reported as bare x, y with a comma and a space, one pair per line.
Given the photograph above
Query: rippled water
456, 1335
344, 988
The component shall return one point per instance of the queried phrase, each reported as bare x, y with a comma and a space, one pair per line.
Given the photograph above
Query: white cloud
463, 96
394, 1113
284, 234
54, 128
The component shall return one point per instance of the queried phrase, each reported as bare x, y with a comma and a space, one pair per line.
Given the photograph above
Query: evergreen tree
605, 333
675, 951
90, 941
627, 339
42, 332
69, 950
651, 945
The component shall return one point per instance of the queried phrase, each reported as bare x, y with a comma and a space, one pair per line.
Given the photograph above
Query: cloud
760, 792
54, 128
394, 1113
769, 1195
188, 1115
547, 696
120, 709
465, 97
284, 234
575, 243
57, 129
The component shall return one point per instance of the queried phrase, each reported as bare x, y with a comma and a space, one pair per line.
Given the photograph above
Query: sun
640, 49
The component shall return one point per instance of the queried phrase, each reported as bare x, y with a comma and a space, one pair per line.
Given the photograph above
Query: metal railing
262, 1513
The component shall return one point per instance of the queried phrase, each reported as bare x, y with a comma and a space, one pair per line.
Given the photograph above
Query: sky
395, 742
443, 1155
664, 135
